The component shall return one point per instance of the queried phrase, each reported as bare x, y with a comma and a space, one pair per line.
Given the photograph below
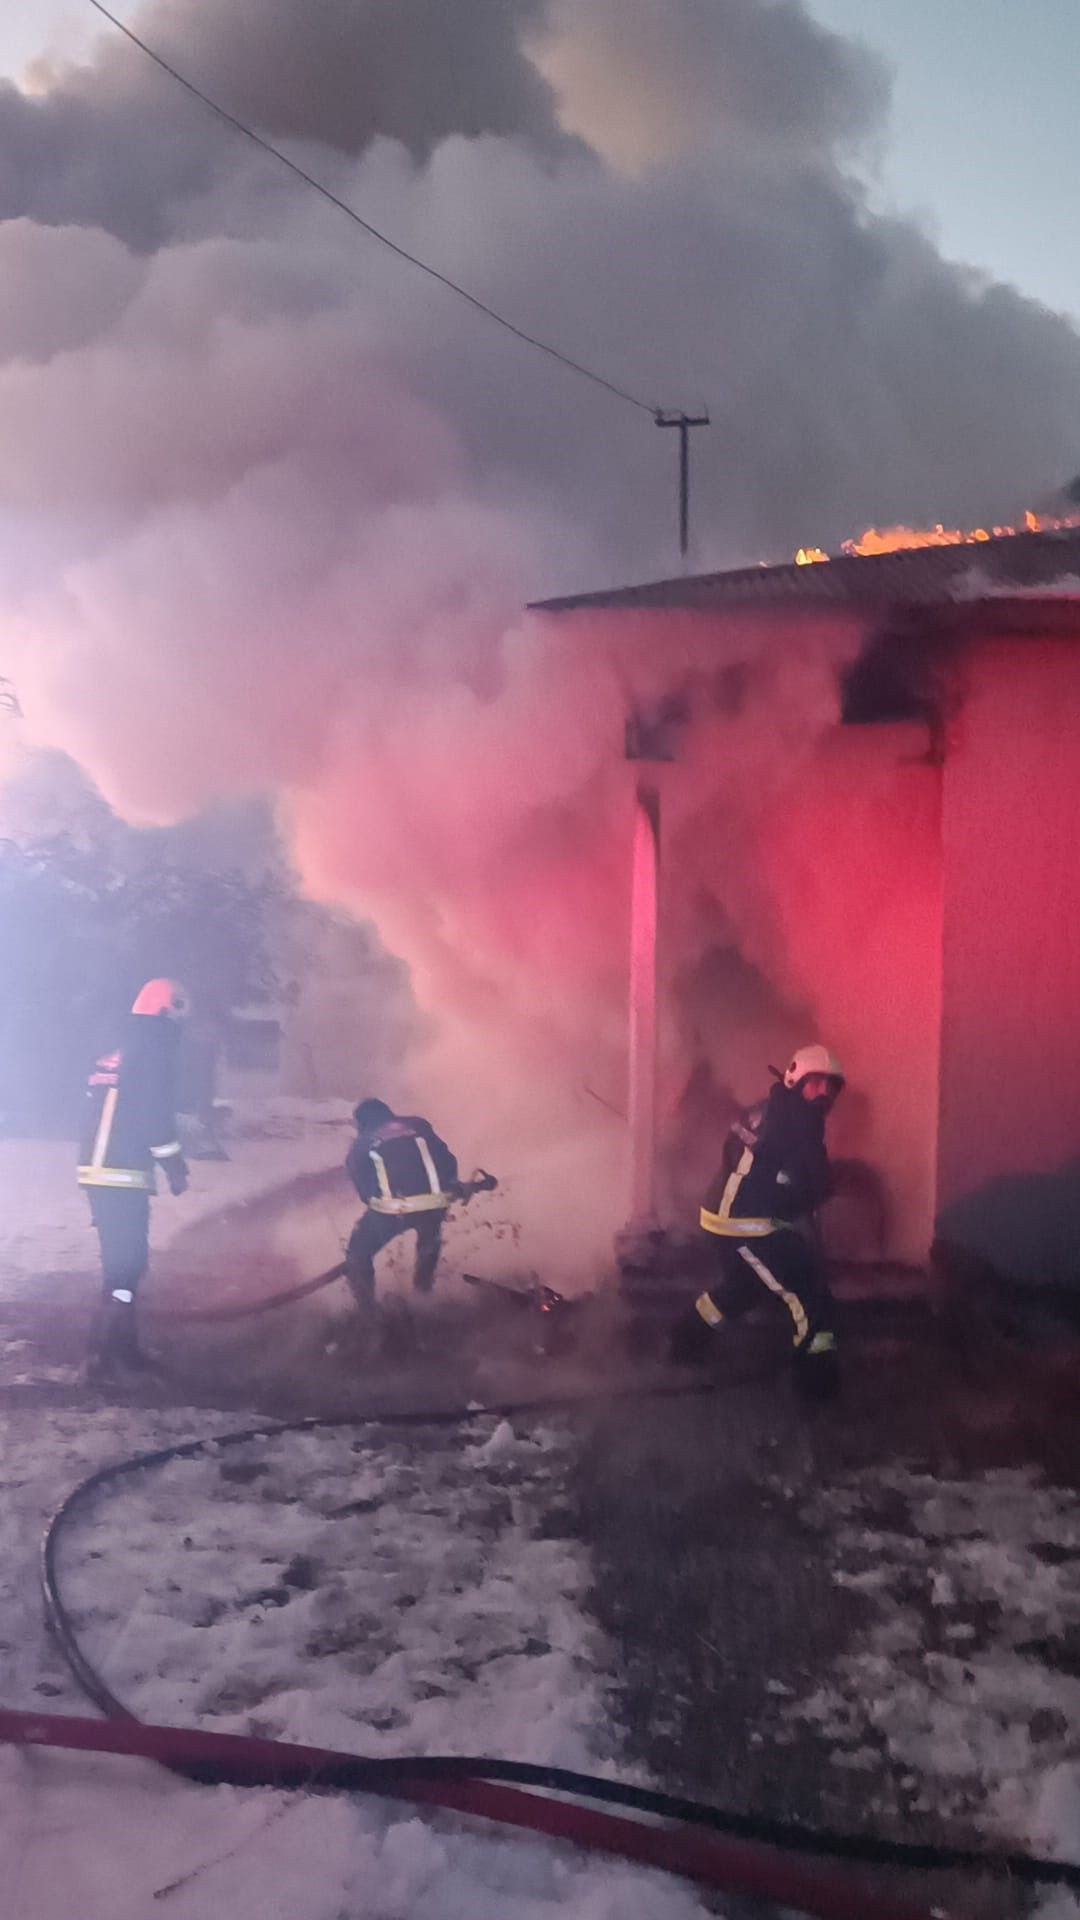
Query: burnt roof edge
853, 579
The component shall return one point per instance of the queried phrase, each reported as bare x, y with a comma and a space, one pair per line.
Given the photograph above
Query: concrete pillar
644, 921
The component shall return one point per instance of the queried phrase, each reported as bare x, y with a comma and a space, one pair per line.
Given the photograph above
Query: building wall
855, 869
800, 899
1008, 1185
826, 924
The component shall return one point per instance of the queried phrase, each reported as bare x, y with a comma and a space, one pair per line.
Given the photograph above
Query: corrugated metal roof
910, 577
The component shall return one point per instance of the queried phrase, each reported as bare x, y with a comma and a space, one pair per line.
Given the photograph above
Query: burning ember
893, 539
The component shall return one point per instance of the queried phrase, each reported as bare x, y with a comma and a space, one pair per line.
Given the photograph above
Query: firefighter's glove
176, 1173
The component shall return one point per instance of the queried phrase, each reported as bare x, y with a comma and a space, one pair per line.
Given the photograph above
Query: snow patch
500, 1445
383, 1592
966, 1677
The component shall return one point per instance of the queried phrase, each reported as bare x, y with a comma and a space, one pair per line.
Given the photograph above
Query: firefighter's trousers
784, 1267
121, 1216
374, 1231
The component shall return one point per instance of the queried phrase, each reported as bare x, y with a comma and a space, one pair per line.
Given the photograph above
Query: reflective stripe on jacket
775, 1170
403, 1167
129, 1119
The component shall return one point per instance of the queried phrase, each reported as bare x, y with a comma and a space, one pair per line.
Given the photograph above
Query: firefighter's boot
115, 1349
693, 1339
817, 1369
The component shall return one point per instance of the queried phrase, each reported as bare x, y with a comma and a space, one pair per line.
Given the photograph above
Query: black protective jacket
403, 1167
775, 1169
129, 1114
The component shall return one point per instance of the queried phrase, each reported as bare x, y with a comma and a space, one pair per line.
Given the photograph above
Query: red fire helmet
162, 999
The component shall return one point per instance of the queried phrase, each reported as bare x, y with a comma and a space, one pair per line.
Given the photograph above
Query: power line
239, 126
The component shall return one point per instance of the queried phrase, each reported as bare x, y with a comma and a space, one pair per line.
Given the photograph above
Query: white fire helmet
809, 1060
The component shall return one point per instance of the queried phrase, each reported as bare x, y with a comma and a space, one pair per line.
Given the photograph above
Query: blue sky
983, 135
982, 140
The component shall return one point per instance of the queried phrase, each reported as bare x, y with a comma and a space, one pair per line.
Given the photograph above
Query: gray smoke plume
113, 142
643, 81
345, 72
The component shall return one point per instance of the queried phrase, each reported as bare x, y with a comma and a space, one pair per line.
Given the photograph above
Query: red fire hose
736, 1852
734, 1866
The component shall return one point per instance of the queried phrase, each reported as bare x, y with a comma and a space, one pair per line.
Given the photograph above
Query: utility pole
684, 422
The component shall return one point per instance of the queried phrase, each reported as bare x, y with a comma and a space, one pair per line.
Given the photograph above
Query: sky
980, 142
27, 27
982, 134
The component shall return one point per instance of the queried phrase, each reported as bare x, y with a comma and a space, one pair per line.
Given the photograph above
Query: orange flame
893, 539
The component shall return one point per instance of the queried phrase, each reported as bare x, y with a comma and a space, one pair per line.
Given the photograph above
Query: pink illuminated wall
1010, 1067
819, 880
854, 862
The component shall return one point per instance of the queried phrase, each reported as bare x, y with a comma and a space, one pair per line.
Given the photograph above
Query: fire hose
473, 1789
478, 1182
763, 1858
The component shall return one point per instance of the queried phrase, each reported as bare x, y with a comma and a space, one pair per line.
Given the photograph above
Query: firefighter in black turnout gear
407, 1178
759, 1209
129, 1131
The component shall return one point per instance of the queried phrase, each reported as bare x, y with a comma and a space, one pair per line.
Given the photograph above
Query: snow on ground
390, 1591
414, 1592
45, 1224
967, 1677
343, 1589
